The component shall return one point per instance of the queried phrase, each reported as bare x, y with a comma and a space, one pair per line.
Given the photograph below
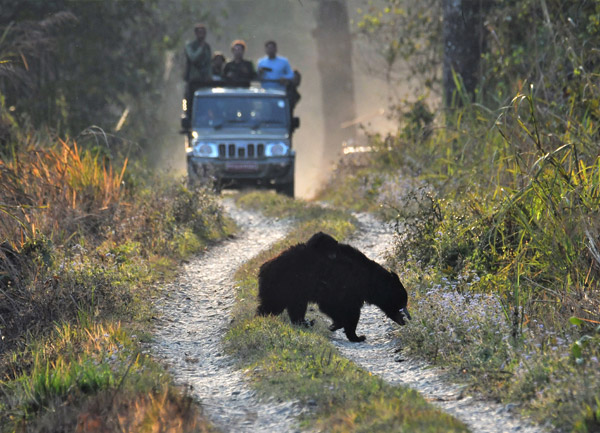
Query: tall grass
499, 239
521, 186
81, 244
78, 234
52, 190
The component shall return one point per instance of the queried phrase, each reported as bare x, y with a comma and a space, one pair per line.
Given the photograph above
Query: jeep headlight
204, 149
276, 149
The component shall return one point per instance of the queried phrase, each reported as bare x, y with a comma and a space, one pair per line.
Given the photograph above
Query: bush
79, 239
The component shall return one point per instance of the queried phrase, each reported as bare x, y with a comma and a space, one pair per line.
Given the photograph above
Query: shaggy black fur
337, 277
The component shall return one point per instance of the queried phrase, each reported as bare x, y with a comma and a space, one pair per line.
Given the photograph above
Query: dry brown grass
162, 412
57, 191
169, 410
80, 245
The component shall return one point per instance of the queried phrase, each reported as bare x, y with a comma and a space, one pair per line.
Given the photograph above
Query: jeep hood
244, 134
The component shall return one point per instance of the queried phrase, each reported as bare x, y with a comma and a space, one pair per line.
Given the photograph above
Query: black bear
337, 277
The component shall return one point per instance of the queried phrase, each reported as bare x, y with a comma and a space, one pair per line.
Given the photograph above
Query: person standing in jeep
239, 71
274, 71
198, 57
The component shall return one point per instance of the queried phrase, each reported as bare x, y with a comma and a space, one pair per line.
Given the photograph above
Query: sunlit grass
92, 376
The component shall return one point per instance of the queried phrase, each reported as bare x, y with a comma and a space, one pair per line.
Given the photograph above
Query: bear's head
394, 299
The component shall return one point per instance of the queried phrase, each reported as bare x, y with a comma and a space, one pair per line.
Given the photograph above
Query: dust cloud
291, 24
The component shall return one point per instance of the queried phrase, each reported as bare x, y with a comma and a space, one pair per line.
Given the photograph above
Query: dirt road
378, 353
194, 319
195, 316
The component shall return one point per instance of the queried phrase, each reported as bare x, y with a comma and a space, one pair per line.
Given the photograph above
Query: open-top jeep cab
241, 136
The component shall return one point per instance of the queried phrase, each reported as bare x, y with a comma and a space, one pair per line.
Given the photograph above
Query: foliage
81, 244
79, 236
88, 63
557, 376
403, 38
455, 325
547, 43
80, 240
505, 222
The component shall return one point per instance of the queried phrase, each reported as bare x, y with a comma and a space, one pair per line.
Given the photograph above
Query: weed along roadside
382, 353
495, 240
294, 363
193, 320
77, 277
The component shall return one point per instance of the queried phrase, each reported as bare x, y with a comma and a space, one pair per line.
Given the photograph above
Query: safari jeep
241, 137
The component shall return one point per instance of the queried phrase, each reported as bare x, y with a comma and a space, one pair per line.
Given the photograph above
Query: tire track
194, 319
196, 312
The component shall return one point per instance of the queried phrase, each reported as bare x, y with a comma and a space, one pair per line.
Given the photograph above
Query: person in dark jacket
239, 71
198, 57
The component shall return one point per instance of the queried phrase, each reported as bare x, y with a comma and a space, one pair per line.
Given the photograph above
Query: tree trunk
334, 51
463, 34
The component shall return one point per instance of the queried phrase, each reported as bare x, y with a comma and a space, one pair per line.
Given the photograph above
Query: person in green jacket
198, 65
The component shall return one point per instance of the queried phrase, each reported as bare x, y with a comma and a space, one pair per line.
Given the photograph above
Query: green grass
94, 375
79, 265
292, 362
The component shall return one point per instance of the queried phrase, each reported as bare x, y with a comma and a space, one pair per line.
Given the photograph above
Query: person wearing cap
274, 71
239, 70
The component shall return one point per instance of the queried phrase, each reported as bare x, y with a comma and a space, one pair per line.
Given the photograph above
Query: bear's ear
323, 243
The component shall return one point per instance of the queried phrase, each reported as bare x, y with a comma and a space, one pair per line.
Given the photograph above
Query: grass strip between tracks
291, 362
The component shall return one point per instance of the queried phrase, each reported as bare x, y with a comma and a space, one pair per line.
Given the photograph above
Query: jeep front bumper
267, 172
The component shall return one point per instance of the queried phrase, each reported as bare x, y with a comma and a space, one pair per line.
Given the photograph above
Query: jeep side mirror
295, 123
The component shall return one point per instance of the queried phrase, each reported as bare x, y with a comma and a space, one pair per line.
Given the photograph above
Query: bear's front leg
335, 326
297, 311
350, 328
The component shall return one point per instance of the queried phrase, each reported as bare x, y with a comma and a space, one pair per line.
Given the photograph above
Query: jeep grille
241, 150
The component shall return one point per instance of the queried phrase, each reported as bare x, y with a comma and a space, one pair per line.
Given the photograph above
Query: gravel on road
194, 318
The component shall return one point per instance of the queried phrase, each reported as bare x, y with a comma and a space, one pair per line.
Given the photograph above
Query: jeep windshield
240, 112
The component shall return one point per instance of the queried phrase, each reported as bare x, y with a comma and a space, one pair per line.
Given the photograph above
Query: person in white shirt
274, 71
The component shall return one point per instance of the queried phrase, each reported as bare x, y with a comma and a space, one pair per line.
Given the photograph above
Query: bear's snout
401, 315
